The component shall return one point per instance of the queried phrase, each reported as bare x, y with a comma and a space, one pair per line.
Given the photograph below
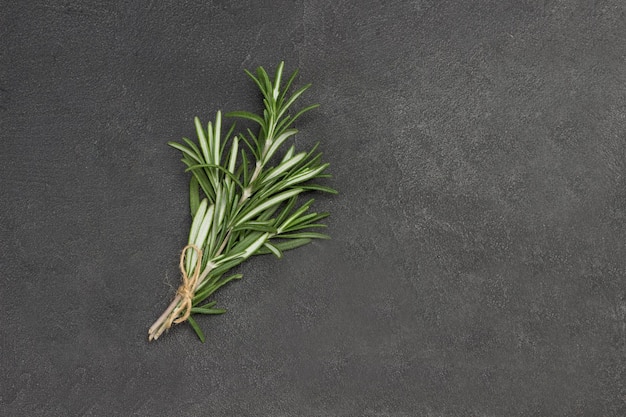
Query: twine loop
187, 289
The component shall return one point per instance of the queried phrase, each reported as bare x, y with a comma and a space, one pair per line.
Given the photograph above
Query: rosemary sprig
244, 198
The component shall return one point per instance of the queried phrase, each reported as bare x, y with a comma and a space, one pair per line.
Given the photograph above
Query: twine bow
187, 289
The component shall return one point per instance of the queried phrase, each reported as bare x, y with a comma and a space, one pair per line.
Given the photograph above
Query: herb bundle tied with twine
243, 196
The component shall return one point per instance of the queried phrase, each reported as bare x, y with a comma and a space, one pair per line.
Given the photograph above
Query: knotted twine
186, 291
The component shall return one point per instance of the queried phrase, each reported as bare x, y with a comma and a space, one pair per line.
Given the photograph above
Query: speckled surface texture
478, 260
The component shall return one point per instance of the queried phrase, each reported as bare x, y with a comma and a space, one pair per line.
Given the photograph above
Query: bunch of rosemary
243, 196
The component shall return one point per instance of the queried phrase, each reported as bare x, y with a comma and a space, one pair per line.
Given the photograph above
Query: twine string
186, 291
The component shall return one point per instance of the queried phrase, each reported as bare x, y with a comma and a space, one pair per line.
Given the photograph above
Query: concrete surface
477, 266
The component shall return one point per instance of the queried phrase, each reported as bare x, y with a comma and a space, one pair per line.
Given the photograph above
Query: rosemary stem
157, 328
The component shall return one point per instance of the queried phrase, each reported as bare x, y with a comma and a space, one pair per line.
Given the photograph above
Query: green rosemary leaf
201, 310
303, 219
234, 152
301, 112
293, 98
281, 97
193, 147
264, 79
197, 220
194, 195
304, 235
256, 81
205, 184
295, 215
252, 149
267, 214
312, 161
207, 305
284, 123
202, 139
186, 151
304, 226
305, 176
279, 73
271, 202
289, 154
317, 187
205, 226
285, 246
283, 167
256, 245
218, 215
244, 164
244, 243
196, 328
258, 149
246, 115
201, 235
230, 278
258, 226
277, 143
216, 138
227, 266
287, 210
212, 284
210, 143
273, 249
227, 137
314, 217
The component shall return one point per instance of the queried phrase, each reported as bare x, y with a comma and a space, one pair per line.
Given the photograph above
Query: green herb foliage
244, 192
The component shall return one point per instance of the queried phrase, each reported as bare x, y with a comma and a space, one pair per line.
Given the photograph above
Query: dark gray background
477, 264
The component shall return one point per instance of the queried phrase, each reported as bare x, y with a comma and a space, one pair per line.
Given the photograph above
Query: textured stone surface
478, 264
